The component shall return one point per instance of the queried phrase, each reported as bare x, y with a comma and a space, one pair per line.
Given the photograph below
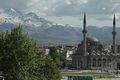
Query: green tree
118, 62
19, 58
47, 68
56, 56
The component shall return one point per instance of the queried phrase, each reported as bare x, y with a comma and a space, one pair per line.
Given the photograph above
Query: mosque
92, 54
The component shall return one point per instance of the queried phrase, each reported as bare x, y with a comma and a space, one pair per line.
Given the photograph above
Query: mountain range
47, 32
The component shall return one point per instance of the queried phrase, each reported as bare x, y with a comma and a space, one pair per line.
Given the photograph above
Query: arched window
94, 62
109, 62
104, 62
99, 62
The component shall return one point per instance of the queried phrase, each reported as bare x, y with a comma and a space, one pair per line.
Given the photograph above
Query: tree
47, 68
118, 62
56, 56
19, 58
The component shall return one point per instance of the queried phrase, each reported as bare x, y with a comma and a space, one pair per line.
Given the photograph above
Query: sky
99, 12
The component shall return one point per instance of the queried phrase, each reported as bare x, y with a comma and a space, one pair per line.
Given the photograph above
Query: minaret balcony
84, 31
114, 33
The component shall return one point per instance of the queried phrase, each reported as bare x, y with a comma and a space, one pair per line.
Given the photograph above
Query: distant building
92, 54
118, 48
67, 52
44, 50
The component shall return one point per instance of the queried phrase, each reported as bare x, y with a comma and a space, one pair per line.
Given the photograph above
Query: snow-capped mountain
13, 12
45, 31
15, 17
10, 16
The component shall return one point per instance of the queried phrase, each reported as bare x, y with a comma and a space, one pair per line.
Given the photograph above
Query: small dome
93, 39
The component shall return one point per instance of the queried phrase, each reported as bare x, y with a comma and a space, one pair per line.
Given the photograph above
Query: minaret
84, 35
114, 36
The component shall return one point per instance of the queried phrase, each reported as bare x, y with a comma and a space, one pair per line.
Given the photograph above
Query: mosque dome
94, 39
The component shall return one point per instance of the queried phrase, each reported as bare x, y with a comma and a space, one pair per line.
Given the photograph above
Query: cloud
65, 7
47, 7
75, 7
18, 4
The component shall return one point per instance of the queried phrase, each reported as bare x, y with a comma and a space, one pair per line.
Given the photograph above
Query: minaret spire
84, 22
114, 21
114, 35
84, 34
